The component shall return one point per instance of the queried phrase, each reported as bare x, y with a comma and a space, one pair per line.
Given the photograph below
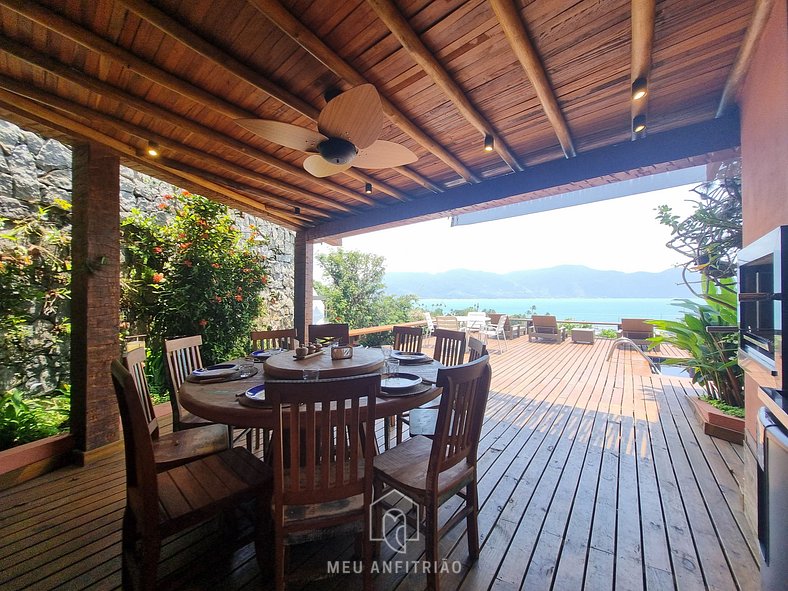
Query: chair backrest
141, 486
134, 361
477, 320
447, 322
339, 333
449, 346
637, 326
430, 322
273, 339
547, 324
331, 450
500, 326
476, 349
460, 416
408, 338
183, 357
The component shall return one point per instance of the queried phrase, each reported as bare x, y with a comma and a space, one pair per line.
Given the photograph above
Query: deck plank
593, 474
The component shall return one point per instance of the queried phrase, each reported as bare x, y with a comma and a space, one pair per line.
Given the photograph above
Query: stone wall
34, 171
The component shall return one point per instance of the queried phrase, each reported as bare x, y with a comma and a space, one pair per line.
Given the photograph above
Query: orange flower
217, 298
185, 245
162, 206
185, 193
167, 196
157, 277
238, 298
215, 265
264, 279
157, 249
203, 323
246, 270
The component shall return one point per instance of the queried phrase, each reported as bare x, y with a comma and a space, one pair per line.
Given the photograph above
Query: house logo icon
394, 527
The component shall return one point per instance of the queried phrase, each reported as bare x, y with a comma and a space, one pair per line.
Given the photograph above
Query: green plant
35, 279
23, 420
192, 273
712, 356
353, 293
734, 411
570, 325
608, 333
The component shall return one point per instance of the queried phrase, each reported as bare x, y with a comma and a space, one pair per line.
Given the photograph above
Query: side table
583, 335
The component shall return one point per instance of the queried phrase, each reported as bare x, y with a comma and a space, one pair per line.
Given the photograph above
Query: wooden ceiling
549, 80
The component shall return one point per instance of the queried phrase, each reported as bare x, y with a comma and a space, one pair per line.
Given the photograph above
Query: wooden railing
355, 333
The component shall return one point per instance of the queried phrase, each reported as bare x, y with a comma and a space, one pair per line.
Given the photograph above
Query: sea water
592, 309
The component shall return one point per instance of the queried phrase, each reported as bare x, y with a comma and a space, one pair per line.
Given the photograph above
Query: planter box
716, 423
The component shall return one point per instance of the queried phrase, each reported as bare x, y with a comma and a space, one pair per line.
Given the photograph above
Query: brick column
303, 268
95, 293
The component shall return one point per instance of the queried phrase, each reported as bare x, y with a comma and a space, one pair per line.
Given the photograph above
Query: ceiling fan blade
383, 154
355, 116
284, 134
316, 166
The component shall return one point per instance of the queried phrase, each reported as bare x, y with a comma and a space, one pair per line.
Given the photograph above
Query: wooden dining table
219, 402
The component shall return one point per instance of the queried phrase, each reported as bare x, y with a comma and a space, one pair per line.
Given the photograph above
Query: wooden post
304, 264
95, 289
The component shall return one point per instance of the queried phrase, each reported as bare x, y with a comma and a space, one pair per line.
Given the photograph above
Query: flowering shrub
193, 274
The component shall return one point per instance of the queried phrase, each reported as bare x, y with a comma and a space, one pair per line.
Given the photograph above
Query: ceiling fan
348, 130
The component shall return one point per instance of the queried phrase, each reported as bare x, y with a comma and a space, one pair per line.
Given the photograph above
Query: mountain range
566, 281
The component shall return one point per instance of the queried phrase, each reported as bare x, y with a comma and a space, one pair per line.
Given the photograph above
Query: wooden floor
593, 475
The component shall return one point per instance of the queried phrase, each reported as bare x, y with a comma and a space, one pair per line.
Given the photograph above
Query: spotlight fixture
639, 89
152, 150
368, 188
639, 124
297, 210
489, 143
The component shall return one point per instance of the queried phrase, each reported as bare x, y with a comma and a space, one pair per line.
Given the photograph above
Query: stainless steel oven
762, 313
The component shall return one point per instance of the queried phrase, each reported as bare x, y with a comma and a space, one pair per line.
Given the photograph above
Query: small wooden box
341, 352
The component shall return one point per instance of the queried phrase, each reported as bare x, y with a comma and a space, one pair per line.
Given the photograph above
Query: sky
618, 234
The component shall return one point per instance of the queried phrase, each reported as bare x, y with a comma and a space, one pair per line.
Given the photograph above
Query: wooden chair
432, 471
545, 328
476, 349
449, 346
159, 505
447, 322
183, 357
328, 333
273, 339
408, 338
180, 447
331, 492
638, 331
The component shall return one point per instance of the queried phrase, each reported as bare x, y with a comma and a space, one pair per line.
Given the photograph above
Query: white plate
256, 393
396, 382
404, 357
222, 370
266, 353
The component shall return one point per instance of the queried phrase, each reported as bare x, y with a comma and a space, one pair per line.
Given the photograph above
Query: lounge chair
638, 331
545, 328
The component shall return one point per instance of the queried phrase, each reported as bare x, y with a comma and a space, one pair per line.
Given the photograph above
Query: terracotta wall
764, 146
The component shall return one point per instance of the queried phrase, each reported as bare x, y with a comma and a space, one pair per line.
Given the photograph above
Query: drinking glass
246, 369
392, 365
310, 374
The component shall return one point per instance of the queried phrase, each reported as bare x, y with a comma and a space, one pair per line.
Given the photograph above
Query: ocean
592, 309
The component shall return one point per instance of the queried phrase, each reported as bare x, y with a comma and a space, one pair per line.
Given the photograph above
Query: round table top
286, 367
218, 402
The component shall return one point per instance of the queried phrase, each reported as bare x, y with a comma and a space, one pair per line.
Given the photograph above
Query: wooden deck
593, 475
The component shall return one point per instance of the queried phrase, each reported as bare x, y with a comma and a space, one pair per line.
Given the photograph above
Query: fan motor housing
337, 151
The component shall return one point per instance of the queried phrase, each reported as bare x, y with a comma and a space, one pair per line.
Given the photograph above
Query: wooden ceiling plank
292, 27
401, 29
44, 114
173, 28
700, 139
740, 66
57, 102
102, 89
643, 22
77, 34
514, 29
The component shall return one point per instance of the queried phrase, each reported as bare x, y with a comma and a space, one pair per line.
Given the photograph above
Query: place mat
236, 375
410, 358
264, 354
419, 389
395, 382
220, 370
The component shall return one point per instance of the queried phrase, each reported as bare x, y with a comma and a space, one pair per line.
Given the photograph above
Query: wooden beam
293, 28
741, 65
54, 22
45, 115
303, 284
513, 27
393, 19
177, 31
144, 135
643, 18
685, 142
47, 64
